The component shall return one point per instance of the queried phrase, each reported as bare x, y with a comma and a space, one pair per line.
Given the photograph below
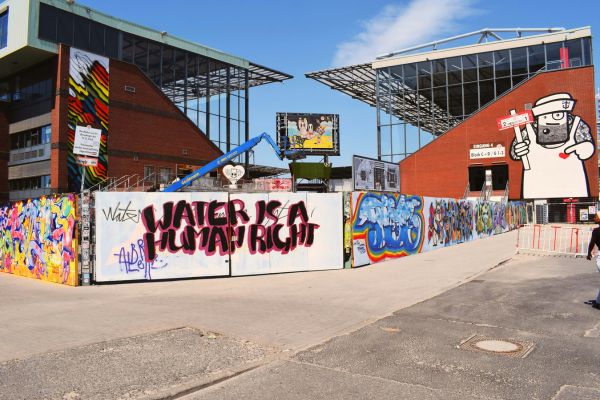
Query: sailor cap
559, 102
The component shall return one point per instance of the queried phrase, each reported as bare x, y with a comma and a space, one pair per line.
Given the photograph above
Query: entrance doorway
477, 176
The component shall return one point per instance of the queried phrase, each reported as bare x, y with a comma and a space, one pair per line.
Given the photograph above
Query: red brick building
163, 105
439, 108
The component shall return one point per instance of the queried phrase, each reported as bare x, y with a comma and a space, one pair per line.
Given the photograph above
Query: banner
178, 235
88, 112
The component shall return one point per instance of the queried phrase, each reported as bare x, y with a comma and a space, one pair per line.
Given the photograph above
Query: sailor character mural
554, 148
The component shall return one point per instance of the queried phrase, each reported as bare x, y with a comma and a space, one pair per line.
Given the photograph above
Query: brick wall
440, 169
146, 128
58, 160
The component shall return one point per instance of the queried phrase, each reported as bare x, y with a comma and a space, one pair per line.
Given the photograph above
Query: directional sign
87, 161
515, 120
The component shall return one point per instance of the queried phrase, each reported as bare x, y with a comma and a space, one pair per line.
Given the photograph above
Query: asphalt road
416, 354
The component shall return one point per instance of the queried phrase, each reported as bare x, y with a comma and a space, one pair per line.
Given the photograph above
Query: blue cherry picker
225, 158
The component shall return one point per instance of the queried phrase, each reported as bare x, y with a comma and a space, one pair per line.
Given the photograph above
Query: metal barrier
554, 240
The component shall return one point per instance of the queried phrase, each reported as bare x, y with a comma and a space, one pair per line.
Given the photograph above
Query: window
46, 134
537, 58
148, 172
574, 55
166, 175
455, 70
486, 65
47, 22
31, 183
81, 37
502, 60
4, 29
33, 137
519, 61
439, 72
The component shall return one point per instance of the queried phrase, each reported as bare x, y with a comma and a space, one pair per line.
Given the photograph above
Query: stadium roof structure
366, 82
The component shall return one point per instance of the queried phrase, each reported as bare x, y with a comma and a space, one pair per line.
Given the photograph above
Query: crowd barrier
554, 239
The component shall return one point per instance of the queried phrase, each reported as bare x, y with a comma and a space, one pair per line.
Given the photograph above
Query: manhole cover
505, 347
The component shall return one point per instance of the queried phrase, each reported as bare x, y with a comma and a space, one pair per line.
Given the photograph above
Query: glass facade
31, 183
30, 138
431, 97
29, 93
4, 29
213, 94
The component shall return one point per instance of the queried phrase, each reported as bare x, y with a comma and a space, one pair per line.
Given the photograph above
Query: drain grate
505, 347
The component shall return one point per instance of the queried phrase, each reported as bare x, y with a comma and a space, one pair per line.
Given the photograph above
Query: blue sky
302, 36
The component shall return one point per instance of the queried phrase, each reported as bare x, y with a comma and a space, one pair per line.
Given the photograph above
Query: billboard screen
316, 134
372, 174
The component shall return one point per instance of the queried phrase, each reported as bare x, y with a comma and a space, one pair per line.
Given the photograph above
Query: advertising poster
316, 134
371, 174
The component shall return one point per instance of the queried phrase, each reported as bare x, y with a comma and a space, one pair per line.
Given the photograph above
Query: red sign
515, 120
274, 184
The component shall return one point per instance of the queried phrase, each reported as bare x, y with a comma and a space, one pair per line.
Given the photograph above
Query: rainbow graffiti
38, 240
386, 225
88, 105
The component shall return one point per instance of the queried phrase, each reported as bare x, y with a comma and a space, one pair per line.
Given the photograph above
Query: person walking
595, 241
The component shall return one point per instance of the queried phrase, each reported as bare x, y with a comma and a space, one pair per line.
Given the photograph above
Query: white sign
87, 161
233, 174
515, 120
87, 141
498, 151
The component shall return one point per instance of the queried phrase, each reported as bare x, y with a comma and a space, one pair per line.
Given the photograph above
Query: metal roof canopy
360, 81
258, 74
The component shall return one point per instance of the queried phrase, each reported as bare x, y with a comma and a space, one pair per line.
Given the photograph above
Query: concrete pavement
416, 353
287, 311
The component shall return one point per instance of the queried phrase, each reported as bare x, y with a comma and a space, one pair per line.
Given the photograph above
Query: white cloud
398, 27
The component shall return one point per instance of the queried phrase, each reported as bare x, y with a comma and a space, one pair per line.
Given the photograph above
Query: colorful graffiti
38, 240
386, 225
450, 222
88, 105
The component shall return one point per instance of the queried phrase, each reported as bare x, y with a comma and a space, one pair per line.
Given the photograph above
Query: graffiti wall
88, 106
387, 226
177, 235
38, 239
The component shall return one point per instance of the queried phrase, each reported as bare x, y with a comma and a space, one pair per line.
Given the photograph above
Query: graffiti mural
386, 225
88, 105
555, 146
176, 235
450, 222
38, 240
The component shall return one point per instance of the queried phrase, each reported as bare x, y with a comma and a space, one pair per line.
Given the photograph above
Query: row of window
31, 183
30, 138
59, 26
493, 64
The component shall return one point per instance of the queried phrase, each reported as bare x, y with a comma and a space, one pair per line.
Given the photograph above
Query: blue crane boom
225, 158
